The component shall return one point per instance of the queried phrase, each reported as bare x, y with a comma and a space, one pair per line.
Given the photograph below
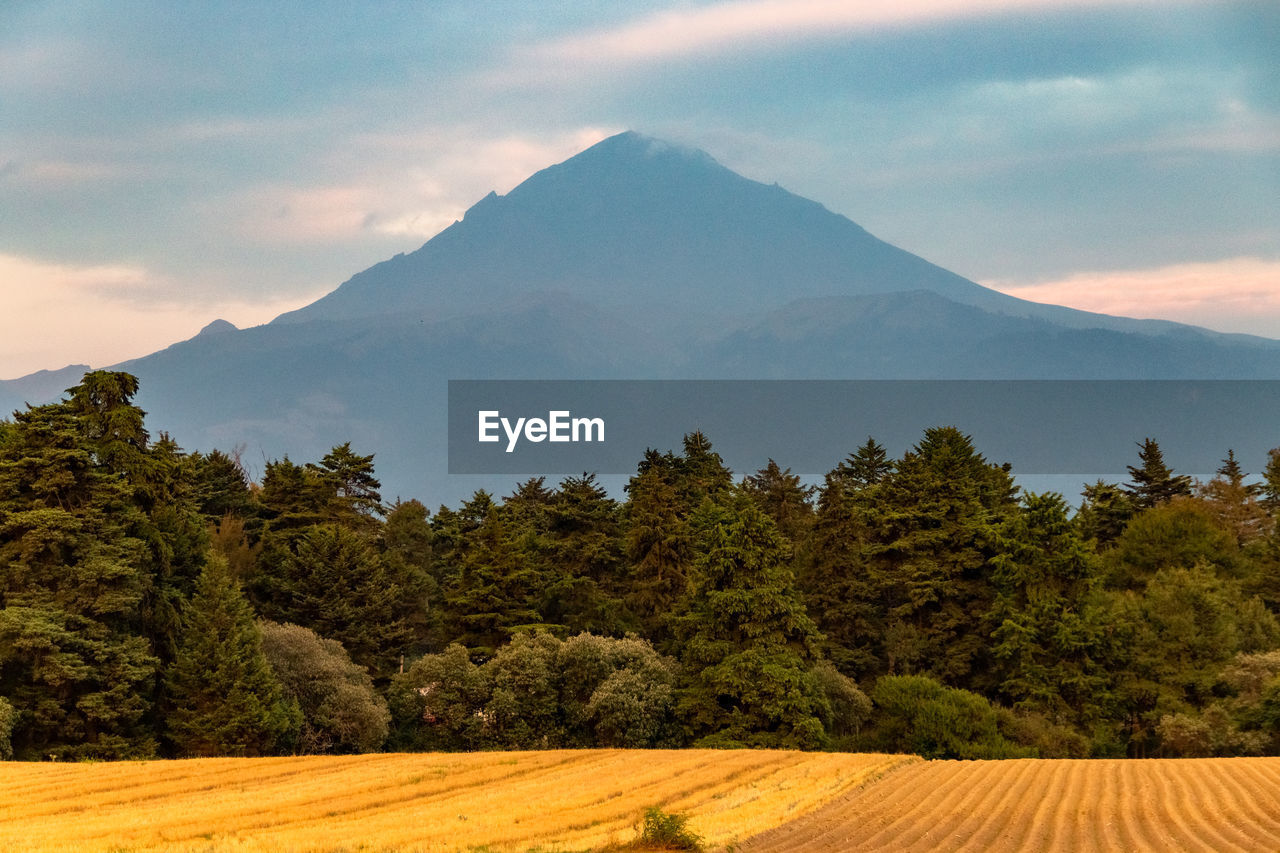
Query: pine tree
337, 584
77, 551
780, 495
1049, 637
933, 532
866, 466
749, 648
1154, 482
658, 548
583, 544
225, 697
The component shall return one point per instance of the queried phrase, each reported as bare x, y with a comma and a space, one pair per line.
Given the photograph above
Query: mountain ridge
634, 259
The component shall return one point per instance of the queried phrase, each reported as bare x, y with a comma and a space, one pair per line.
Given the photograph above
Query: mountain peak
630, 145
217, 327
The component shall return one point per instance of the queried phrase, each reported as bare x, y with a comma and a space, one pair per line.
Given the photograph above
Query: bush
918, 715
341, 711
8, 717
667, 831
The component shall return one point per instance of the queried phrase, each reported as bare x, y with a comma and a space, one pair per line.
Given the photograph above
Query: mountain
634, 259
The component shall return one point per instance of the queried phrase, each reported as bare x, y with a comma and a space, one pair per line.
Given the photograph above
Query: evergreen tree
866, 466
226, 699
490, 588
1234, 503
1049, 636
583, 544
335, 583
838, 589
1105, 511
354, 489
749, 648
780, 496
933, 533
1153, 481
658, 547
76, 550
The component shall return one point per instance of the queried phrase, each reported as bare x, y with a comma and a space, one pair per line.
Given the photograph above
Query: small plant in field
667, 831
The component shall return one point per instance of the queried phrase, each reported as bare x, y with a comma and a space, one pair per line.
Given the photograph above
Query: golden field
1201, 804
552, 801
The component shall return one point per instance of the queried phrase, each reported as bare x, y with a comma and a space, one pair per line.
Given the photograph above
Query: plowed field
1158, 805
566, 800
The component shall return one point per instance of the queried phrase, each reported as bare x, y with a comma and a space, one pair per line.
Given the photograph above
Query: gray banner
546, 427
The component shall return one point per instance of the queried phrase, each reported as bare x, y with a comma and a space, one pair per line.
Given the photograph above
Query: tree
354, 487
749, 648
78, 591
1234, 503
340, 710
916, 714
1105, 511
866, 466
932, 533
1153, 481
1049, 635
780, 496
659, 549
335, 583
226, 699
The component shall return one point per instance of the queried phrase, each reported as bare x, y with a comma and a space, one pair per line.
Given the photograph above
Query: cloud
754, 23
399, 184
1233, 295
55, 314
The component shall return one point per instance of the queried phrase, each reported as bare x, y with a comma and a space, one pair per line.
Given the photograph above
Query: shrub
668, 831
917, 714
341, 711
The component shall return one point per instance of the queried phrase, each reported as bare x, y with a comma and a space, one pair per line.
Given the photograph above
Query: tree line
155, 602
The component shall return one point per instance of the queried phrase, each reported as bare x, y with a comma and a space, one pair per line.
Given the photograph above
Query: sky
165, 164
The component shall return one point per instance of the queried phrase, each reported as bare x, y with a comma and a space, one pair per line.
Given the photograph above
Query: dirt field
552, 801
1158, 805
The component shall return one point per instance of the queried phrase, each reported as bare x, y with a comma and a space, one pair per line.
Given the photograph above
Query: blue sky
165, 164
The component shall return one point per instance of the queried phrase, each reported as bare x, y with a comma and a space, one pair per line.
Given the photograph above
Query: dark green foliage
80, 601
221, 487
1145, 625
866, 466
1177, 635
780, 496
337, 584
1104, 513
1050, 638
667, 831
341, 711
659, 548
1153, 482
225, 698
8, 718
932, 528
916, 714
490, 588
1178, 533
583, 546
748, 646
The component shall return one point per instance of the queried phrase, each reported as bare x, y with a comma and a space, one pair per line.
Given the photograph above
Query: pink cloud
724, 25
1234, 295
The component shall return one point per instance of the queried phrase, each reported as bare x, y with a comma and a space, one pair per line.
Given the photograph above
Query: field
578, 800
1211, 804
560, 800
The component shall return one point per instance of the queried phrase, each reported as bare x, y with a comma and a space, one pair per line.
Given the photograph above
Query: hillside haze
634, 259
